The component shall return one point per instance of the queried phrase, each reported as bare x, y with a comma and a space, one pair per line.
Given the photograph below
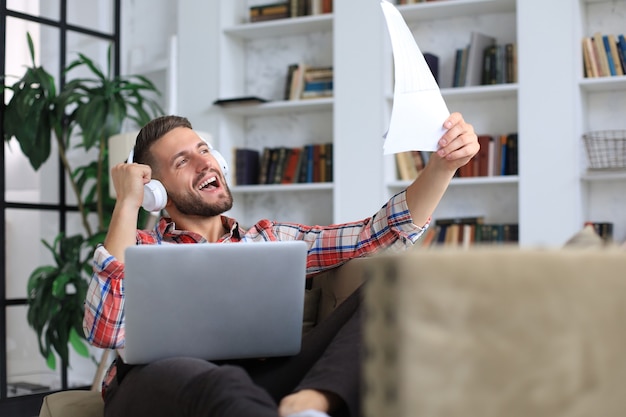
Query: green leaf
59, 285
51, 361
77, 343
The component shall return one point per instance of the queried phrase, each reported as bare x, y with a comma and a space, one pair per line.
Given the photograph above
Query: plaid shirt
329, 246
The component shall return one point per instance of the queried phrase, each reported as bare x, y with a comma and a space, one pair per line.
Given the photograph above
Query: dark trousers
328, 361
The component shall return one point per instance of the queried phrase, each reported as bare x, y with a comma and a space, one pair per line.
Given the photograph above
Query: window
37, 204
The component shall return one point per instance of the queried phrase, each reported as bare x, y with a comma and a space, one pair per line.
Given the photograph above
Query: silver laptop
213, 301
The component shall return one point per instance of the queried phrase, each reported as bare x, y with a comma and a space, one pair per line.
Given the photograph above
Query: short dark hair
153, 131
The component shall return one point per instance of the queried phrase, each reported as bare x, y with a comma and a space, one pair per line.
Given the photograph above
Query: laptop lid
213, 300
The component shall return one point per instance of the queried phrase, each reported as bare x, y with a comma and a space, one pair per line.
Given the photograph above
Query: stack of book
305, 81
289, 8
284, 165
604, 55
469, 231
270, 11
410, 164
484, 62
497, 156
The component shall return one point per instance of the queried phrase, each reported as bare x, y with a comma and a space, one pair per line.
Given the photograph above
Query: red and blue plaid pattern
329, 246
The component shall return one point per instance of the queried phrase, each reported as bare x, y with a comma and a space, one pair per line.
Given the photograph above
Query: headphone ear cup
154, 196
220, 160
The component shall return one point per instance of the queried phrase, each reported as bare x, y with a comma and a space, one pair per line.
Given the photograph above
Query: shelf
272, 188
282, 27
455, 8
605, 175
503, 179
281, 107
480, 92
603, 84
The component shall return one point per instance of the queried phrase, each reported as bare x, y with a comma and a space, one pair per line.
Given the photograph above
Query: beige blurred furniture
492, 332
329, 290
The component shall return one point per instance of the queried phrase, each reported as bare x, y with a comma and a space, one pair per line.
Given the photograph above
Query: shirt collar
165, 229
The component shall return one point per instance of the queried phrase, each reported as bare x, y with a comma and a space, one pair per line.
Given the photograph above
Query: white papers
419, 110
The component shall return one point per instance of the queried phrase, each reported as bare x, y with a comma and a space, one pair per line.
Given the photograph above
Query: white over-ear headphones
154, 194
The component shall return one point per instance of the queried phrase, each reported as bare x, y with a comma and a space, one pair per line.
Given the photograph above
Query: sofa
496, 331
485, 332
328, 290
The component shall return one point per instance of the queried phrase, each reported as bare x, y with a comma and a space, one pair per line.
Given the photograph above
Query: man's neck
211, 228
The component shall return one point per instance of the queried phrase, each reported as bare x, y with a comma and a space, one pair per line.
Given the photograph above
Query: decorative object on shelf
606, 149
239, 101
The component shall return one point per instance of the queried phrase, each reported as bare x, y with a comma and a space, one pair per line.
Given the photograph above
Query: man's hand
458, 145
128, 181
307, 399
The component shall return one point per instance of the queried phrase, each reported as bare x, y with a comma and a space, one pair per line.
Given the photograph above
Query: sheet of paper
419, 110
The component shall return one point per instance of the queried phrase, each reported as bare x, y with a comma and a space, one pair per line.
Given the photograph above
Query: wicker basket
606, 149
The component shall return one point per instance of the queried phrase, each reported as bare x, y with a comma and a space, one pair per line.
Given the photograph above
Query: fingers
128, 180
303, 400
460, 141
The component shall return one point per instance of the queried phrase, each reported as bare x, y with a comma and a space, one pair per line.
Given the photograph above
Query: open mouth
210, 183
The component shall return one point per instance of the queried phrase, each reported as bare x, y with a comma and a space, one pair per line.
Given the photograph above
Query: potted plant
85, 112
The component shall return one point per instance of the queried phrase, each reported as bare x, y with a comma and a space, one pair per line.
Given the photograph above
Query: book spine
609, 55
622, 51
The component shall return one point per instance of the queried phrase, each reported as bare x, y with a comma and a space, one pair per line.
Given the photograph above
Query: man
324, 376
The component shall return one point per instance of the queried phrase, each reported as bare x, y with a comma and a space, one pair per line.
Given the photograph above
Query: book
600, 54
609, 55
621, 49
281, 161
316, 7
482, 157
511, 155
288, 80
432, 61
589, 58
291, 166
327, 6
503, 155
494, 157
478, 43
511, 62
613, 51
460, 66
409, 164
298, 8
317, 82
266, 156
270, 11
247, 163
297, 82
489, 65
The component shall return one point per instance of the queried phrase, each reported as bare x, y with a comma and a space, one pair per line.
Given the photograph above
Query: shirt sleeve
391, 228
103, 321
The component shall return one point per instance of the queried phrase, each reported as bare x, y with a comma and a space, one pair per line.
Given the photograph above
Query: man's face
192, 177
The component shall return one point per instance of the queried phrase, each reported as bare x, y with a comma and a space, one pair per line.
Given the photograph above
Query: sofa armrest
336, 285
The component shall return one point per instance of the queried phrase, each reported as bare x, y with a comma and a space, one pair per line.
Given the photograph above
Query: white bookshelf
601, 107
550, 107
441, 28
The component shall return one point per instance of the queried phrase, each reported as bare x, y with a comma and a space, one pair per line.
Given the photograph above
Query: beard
192, 205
